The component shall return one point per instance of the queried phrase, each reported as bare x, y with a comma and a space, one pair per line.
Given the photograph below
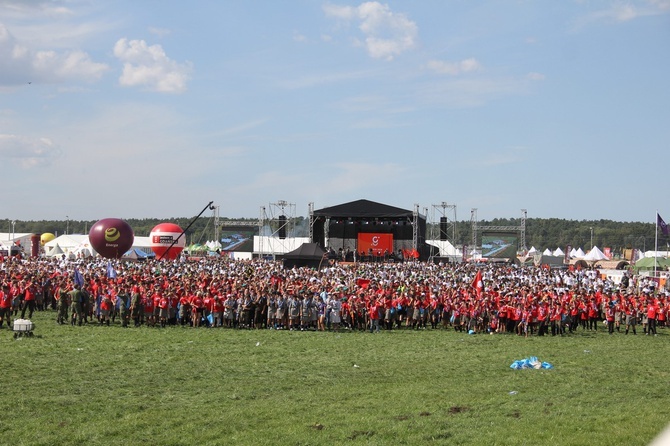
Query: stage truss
275, 220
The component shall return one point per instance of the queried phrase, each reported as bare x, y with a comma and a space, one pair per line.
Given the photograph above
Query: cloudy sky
152, 108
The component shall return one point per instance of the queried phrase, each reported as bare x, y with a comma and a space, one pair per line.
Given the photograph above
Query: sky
152, 109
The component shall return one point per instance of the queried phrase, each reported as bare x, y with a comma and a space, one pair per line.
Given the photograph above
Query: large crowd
260, 294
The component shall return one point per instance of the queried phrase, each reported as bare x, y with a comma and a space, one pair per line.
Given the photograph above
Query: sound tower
282, 227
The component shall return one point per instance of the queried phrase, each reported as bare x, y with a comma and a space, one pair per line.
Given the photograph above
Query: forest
542, 233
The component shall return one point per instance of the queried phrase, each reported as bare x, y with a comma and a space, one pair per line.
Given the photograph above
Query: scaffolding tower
278, 222
440, 211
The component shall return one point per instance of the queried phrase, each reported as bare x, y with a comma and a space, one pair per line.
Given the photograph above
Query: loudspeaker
282, 227
443, 228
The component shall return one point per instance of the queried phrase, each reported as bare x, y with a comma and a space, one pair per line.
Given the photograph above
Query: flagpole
656, 244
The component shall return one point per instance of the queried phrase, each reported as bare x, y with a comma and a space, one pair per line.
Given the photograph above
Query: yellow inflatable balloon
46, 238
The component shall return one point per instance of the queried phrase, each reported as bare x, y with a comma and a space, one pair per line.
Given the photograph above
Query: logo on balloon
167, 241
112, 234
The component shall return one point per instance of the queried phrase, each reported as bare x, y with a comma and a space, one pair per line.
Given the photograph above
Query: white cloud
299, 37
28, 8
159, 32
149, 66
28, 152
21, 64
454, 68
533, 76
625, 11
386, 33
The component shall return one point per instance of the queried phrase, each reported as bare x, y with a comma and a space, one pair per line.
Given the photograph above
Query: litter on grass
530, 363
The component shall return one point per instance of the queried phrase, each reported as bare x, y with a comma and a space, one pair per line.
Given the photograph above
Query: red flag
363, 283
478, 284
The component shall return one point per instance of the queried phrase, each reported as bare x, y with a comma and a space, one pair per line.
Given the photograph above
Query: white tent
55, 251
445, 247
547, 252
594, 255
532, 251
559, 252
68, 243
573, 253
579, 254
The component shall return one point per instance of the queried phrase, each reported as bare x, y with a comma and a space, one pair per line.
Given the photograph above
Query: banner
375, 243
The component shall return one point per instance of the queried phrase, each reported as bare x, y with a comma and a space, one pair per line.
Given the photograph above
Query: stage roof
363, 209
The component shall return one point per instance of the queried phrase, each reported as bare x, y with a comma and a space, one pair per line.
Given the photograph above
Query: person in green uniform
62, 305
123, 304
136, 306
77, 299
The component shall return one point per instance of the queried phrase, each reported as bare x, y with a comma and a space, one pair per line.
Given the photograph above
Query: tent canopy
306, 251
647, 264
308, 254
594, 255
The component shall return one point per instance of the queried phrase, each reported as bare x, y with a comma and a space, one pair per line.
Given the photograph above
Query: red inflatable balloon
111, 237
162, 236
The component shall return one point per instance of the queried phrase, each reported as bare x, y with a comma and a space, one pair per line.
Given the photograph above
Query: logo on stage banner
375, 243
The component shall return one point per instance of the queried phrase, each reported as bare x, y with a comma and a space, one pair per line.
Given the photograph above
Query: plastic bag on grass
530, 363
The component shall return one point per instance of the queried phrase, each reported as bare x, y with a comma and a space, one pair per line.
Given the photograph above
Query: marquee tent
55, 251
307, 254
594, 255
647, 264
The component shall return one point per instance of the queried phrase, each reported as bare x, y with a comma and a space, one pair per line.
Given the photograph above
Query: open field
108, 385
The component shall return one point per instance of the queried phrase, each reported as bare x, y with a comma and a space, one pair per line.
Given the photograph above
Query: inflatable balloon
46, 238
163, 236
111, 237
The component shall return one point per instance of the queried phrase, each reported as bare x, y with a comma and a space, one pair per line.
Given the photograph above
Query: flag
662, 224
363, 283
78, 278
111, 272
478, 283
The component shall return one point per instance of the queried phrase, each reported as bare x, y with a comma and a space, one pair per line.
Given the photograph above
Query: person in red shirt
373, 313
651, 317
163, 310
197, 307
105, 308
28, 301
148, 306
5, 305
609, 317
631, 313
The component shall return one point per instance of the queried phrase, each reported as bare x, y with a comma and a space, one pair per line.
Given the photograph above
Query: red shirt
5, 300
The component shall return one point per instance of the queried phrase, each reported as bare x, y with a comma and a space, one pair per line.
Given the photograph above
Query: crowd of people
260, 294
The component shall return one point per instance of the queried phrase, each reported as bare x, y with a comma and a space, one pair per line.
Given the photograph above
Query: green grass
107, 385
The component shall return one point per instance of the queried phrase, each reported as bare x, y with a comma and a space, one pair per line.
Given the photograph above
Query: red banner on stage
377, 244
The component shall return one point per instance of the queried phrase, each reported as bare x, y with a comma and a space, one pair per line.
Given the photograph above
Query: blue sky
136, 109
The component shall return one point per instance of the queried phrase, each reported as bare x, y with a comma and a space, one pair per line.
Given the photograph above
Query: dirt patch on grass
402, 417
425, 414
317, 426
515, 414
458, 409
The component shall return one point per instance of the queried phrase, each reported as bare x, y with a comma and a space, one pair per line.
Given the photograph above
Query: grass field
107, 385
